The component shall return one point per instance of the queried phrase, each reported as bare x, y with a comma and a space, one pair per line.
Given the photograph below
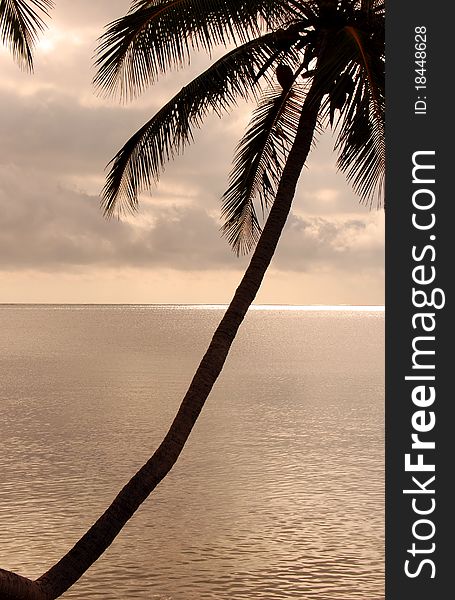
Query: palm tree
328, 59
20, 23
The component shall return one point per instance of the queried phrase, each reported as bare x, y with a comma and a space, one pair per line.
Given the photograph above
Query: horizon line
376, 307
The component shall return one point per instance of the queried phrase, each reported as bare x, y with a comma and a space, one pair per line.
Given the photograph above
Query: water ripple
278, 494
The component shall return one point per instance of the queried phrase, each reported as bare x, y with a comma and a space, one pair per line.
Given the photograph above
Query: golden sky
57, 137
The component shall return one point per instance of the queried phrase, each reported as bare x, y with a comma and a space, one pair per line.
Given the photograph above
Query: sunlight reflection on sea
279, 492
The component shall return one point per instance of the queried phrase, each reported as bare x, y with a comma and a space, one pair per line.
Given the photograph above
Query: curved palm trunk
97, 539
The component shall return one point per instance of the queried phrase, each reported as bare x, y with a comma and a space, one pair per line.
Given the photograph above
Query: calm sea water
279, 492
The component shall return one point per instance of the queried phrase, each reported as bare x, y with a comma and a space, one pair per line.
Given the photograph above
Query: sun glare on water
282, 307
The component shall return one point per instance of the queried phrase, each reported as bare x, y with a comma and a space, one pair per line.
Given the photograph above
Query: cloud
51, 131
57, 137
47, 227
327, 243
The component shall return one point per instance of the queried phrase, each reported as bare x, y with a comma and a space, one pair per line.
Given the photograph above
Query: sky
56, 138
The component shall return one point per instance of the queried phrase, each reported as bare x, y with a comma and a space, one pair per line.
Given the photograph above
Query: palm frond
372, 6
156, 35
361, 139
309, 9
141, 160
361, 149
360, 124
259, 163
20, 23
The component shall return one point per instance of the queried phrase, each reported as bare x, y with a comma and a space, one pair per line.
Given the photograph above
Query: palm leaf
141, 160
20, 23
361, 139
259, 163
361, 147
370, 7
156, 35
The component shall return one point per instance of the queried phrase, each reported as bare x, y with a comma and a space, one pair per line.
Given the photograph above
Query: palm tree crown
339, 43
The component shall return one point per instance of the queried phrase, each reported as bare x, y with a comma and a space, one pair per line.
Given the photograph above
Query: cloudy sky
56, 137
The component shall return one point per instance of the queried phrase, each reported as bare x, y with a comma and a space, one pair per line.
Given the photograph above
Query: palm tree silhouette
20, 23
328, 59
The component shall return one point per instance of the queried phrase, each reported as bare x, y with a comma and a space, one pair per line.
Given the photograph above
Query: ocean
279, 492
